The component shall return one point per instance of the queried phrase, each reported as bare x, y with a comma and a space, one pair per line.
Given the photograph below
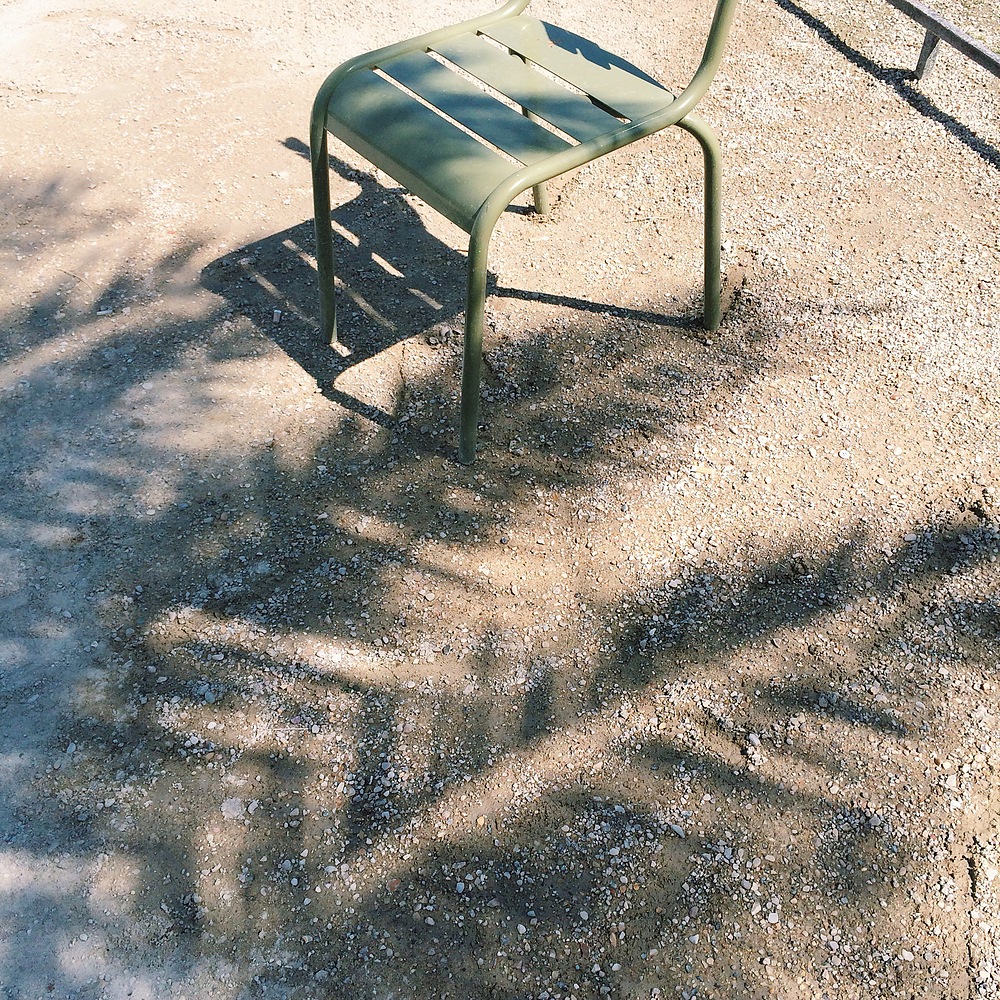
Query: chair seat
441, 122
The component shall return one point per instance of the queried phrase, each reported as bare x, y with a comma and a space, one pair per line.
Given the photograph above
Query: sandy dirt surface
687, 688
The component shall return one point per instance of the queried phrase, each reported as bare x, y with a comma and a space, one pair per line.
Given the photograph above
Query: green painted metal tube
472, 356
324, 233
539, 192
700, 129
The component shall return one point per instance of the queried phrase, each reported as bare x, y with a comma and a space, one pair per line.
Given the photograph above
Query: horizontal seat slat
613, 81
437, 161
478, 111
567, 110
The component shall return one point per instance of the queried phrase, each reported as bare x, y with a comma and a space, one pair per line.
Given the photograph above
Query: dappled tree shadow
333, 691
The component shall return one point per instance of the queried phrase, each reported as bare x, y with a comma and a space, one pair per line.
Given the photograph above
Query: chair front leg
701, 130
320, 160
472, 360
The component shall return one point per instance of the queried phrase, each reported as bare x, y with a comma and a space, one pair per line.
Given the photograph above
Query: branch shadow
326, 700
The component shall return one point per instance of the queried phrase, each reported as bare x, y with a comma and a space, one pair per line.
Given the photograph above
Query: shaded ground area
687, 688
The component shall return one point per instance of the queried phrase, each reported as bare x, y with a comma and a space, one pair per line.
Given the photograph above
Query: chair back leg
539, 192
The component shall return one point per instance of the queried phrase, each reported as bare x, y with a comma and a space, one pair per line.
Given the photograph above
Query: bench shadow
901, 81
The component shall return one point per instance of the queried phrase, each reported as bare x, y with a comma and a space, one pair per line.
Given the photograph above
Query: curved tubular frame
319, 152
699, 128
677, 111
475, 299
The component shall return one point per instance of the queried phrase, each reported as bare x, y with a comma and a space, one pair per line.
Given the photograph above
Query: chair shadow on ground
395, 280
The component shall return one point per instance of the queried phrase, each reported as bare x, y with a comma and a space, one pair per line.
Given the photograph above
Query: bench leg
713, 218
928, 55
472, 360
324, 233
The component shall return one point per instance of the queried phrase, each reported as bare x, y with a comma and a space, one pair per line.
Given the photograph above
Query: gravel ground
687, 689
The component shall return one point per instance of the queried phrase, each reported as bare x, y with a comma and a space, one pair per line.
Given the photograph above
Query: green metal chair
547, 101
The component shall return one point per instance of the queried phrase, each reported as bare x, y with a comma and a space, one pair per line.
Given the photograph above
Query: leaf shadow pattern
294, 651
568, 858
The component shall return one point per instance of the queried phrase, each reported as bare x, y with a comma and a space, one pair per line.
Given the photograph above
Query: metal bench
936, 30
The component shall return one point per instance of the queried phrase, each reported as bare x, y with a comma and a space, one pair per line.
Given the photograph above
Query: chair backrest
718, 33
